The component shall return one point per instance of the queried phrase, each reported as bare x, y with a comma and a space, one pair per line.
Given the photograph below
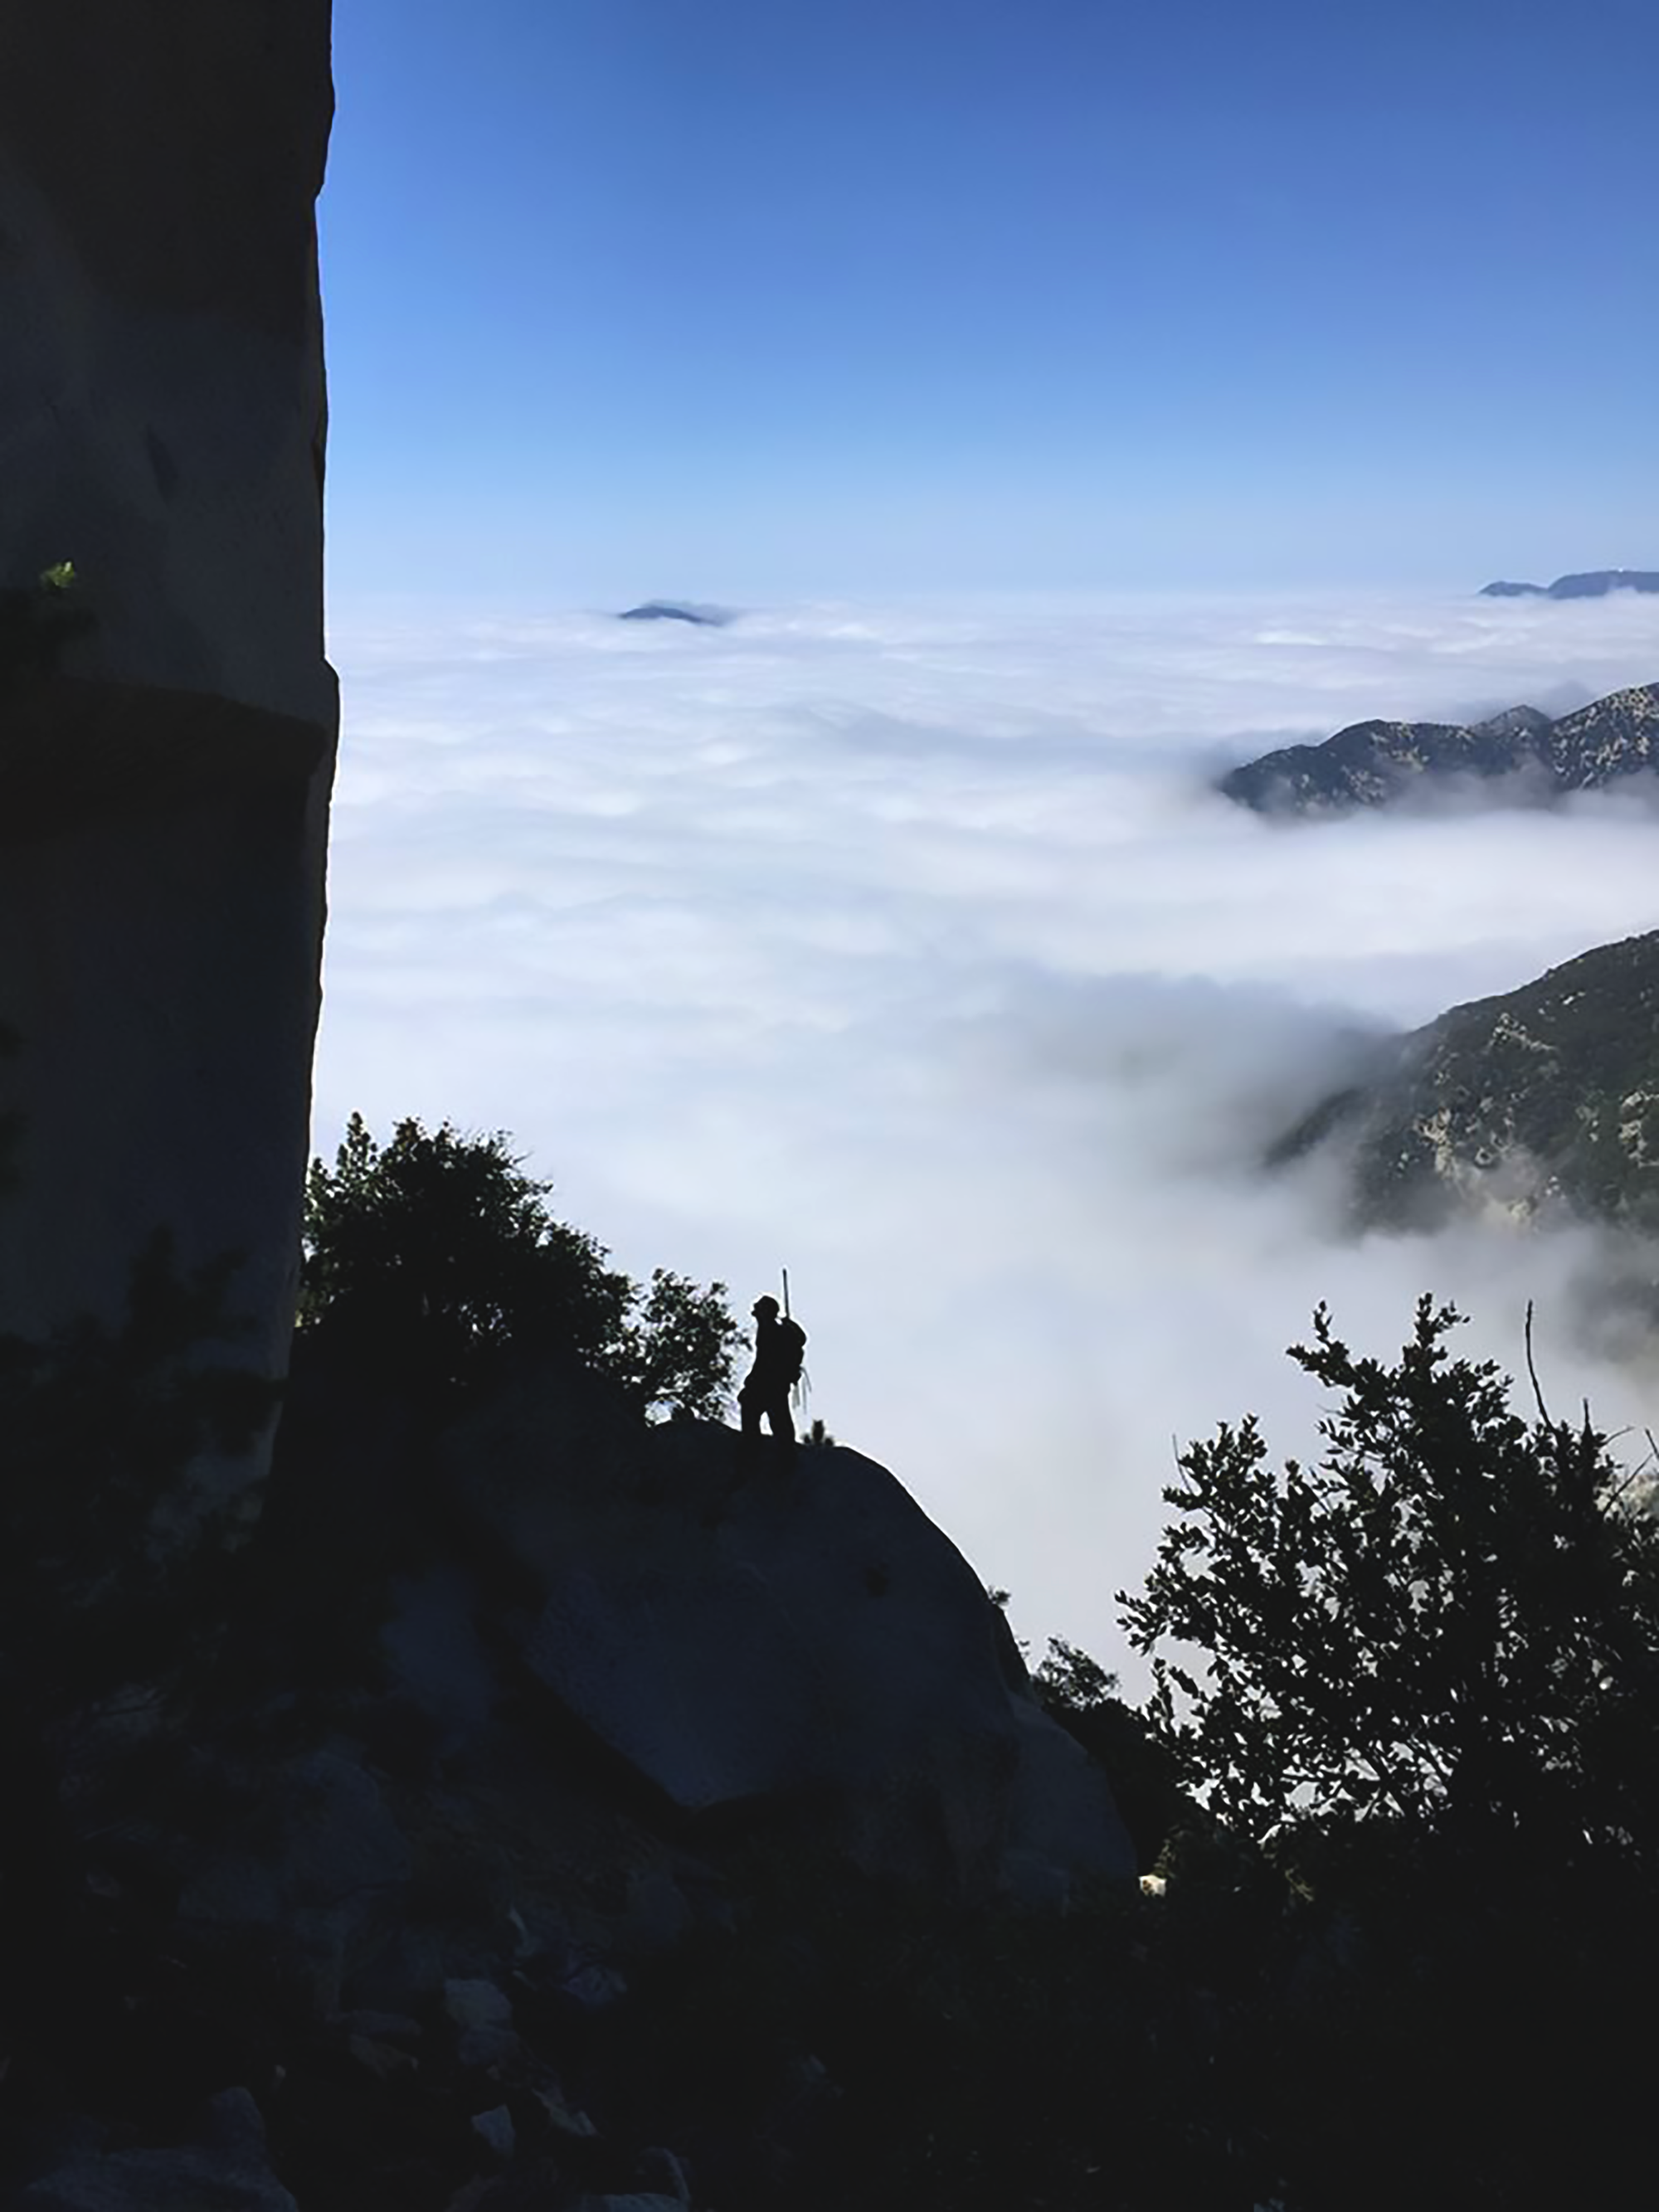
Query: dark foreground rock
549, 1823
740, 1638
226, 2168
164, 780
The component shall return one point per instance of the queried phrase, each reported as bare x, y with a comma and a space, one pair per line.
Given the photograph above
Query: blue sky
746, 298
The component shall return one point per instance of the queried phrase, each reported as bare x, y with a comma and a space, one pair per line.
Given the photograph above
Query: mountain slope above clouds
1543, 1101
1521, 754
1588, 584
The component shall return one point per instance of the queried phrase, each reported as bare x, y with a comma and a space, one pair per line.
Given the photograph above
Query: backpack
792, 1348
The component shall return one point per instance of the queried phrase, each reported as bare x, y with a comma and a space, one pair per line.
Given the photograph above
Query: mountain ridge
1539, 759
1586, 584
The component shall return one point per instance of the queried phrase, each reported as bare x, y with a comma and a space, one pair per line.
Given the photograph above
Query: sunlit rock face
1538, 1104
163, 790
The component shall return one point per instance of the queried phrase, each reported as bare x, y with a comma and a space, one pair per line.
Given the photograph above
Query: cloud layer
909, 947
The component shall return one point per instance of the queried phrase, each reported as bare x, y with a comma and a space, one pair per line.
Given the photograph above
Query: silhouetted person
779, 1345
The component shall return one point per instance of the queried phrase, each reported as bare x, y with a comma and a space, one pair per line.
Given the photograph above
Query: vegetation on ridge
435, 1253
37, 621
1451, 1621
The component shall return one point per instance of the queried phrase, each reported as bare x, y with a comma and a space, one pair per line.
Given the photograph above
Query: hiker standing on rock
780, 1344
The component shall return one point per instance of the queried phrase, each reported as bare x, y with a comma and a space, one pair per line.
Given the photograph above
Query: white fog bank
908, 947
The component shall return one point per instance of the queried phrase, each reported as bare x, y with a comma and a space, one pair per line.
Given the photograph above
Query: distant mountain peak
1587, 584
681, 611
1513, 722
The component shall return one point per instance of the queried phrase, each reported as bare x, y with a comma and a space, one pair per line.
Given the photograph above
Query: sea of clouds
908, 947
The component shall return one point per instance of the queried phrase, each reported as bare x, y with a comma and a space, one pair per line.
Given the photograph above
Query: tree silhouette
434, 1255
1451, 1620
679, 1350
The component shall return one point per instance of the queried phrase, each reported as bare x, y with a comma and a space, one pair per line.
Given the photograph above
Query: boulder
494, 2128
651, 2201
163, 790
310, 1883
225, 2170
807, 1639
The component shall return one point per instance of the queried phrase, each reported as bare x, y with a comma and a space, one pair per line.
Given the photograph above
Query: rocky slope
163, 790
1520, 757
1543, 1101
455, 1800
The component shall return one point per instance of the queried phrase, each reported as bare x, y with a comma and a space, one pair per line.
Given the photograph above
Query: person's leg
750, 1409
783, 1427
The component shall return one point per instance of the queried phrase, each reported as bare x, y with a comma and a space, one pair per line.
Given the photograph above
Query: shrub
1452, 1620
37, 621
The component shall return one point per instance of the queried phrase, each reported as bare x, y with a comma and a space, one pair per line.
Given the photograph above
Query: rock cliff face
163, 792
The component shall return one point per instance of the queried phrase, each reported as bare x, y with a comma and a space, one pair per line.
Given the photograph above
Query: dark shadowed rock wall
163, 792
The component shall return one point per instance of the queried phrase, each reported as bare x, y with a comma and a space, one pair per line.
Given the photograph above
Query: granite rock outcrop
807, 1640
